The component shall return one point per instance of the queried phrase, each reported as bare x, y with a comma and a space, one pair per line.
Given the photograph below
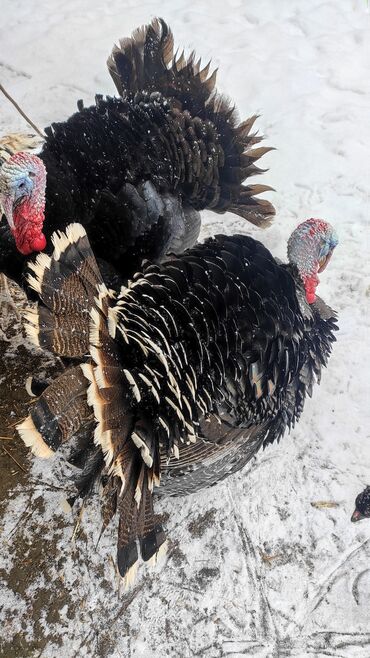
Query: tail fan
98, 399
66, 284
146, 63
57, 415
128, 442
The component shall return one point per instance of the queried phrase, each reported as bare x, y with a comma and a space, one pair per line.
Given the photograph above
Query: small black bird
362, 503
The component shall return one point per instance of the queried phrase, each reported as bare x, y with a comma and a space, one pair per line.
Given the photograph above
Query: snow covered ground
254, 568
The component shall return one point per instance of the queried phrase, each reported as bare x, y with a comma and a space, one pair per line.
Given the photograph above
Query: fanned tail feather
93, 406
57, 415
66, 284
128, 444
146, 62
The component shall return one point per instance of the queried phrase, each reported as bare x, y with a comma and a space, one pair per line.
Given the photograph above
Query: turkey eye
21, 186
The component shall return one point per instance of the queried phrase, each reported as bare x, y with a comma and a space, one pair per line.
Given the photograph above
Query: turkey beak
324, 261
357, 516
7, 203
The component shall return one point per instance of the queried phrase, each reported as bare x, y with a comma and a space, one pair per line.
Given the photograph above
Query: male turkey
135, 170
184, 374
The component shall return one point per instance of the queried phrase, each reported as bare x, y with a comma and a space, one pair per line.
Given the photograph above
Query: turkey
137, 169
362, 506
180, 378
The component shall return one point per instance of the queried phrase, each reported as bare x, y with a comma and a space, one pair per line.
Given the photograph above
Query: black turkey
135, 170
182, 376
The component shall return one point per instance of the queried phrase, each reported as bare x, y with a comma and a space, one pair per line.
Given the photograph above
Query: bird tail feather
97, 398
66, 283
58, 414
146, 62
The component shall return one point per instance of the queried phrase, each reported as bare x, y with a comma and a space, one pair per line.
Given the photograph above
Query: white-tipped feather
94, 400
94, 330
164, 425
104, 440
28, 386
161, 552
190, 386
42, 263
194, 376
153, 374
133, 384
62, 240
95, 354
133, 335
201, 404
75, 231
187, 405
122, 330
32, 326
112, 321
163, 338
116, 469
192, 438
33, 439
189, 427
176, 393
88, 371
150, 481
123, 294
134, 284
100, 378
140, 443
103, 293
34, 283
157, 350
207, 395
60, 244
173, 405
150, 387
130, 576
65, 506
138, 495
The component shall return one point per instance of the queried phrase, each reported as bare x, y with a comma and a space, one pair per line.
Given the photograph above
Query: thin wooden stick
7, 438
14, 460
23, 114
17, 422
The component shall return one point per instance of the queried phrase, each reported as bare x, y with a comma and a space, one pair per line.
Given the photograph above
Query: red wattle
310, 296
27, 230
39, 243
23, 248
310, 284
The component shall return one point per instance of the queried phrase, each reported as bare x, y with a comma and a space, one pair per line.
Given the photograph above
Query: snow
253, 568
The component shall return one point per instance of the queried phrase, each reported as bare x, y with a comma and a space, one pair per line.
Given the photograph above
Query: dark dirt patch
205, 576
204, 521
25, 540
